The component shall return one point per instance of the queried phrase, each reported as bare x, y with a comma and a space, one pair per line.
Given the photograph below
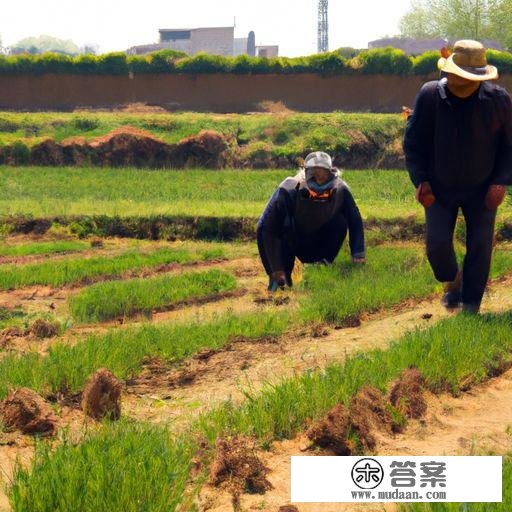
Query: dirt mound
288, 508
26, 411
77, 151
359, 153
407, 394
44, 329
208, 149
369, 410
102, 396
47, 152
237, 467
129, 146
332, 431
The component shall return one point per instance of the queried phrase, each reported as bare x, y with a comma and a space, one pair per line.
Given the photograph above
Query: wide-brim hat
468, 61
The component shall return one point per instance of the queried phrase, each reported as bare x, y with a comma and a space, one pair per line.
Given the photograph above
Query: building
267, 51
416, 46
213, 40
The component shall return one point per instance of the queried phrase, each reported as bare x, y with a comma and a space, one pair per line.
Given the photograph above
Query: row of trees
459, 19
48, 44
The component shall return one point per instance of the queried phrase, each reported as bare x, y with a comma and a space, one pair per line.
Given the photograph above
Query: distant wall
213, 92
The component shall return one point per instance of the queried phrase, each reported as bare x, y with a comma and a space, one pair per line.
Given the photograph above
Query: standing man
307, 218
458, 149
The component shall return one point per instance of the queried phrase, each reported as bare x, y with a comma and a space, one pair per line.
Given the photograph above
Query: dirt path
452, 426
212, 378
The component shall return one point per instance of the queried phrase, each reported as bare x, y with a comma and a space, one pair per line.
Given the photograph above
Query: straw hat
468, 61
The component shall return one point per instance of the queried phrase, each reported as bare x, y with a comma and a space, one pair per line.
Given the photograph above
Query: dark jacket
460, 144
288, 216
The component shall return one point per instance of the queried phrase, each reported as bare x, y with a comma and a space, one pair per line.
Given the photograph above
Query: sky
115, 25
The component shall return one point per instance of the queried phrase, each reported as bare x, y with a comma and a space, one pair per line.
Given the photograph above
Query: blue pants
324, 244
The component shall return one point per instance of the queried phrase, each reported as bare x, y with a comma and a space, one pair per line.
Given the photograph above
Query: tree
42, 44
459, 19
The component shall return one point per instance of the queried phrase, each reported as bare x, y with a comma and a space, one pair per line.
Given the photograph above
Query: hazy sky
119, 24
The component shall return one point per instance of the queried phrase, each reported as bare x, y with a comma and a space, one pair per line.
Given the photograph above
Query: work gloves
424, 194
495, 196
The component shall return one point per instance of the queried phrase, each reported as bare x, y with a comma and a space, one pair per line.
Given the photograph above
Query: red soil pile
369, 411
102, 396
407, 394
130, 147
237, 467
77, 151
26, 411
208, 149
331, 432
47, 152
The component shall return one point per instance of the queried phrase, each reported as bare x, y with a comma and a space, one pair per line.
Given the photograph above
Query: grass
342, 291
455, 350
280, 411
138, 192
104, 301
192, 192
40, 248
78, 270
90, 475
123, 351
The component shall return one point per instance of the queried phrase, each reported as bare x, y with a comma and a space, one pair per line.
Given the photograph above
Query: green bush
204, 63
112, 64
386, 61
425, 63
342, 61
502, 60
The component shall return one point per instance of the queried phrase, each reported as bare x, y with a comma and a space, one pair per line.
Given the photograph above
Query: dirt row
133, 147
162, 399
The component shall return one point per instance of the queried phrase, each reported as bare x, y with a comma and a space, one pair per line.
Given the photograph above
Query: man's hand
495, 196
277, 280
424, 194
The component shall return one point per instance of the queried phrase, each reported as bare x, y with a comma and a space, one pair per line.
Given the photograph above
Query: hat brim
448, 66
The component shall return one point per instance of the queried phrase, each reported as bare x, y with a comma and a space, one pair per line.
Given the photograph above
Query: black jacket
460, 144
287, 217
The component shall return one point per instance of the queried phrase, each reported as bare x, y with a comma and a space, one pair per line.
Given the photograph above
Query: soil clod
331, 431
369, 411
44, 329
25, 410
102, 396
407, 394
237, 467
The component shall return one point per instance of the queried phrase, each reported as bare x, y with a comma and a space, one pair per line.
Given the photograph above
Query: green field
48, 192
137, 465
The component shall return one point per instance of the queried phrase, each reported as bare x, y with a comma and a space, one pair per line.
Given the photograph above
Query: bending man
307, 218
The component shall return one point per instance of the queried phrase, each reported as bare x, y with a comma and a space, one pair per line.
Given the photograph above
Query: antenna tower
323, 26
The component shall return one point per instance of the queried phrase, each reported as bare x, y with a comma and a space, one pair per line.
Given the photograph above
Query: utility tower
323, 26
